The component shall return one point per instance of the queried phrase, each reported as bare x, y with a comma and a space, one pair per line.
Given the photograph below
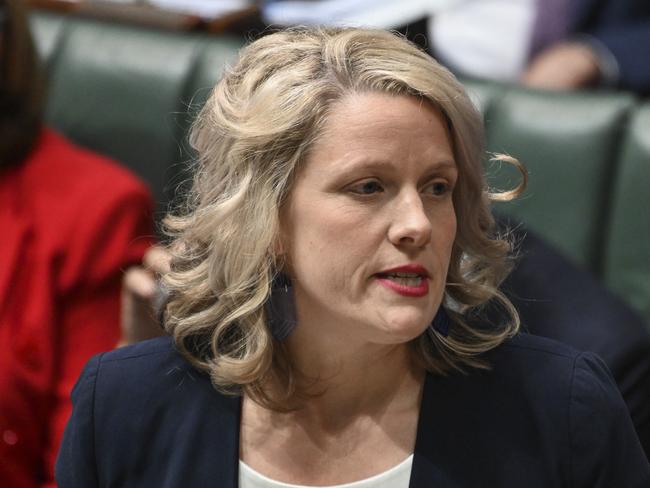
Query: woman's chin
405, 326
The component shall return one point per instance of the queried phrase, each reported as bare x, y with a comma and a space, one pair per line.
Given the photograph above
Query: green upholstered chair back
588, 156
627, 246
127, 91
569, 143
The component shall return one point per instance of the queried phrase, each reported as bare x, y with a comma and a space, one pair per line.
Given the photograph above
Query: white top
484, 38
396, 477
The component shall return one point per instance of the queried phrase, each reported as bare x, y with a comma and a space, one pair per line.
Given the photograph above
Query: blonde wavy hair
252, 136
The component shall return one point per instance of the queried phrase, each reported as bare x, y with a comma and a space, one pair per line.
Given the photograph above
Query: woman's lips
409, 287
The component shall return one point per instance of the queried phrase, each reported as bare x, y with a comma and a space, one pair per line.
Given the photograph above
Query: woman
327, 290
66, 237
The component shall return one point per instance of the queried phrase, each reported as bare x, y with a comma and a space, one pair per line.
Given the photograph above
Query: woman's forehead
378, 125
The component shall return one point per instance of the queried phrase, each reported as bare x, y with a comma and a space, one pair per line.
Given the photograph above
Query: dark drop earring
441, 322
281, 308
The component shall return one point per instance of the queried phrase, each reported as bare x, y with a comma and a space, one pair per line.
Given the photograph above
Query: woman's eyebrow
365, 163
445, 164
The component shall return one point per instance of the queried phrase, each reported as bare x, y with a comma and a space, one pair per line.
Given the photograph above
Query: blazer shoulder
545, 372
160, 346
532, 346
147, 395
577, 387
145, 367
535, 406
523, 353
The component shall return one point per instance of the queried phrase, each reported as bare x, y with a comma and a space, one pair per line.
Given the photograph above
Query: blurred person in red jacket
71, 222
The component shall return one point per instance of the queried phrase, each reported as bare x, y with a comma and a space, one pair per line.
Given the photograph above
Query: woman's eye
367, 187
439, 188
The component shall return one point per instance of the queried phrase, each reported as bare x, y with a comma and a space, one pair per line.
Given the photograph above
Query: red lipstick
410, 280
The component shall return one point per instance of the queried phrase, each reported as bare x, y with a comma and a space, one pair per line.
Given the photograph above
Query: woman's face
369, 225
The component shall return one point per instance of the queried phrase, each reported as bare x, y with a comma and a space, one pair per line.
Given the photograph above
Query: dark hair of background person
22, 90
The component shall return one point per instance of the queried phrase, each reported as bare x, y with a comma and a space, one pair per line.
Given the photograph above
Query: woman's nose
410, 225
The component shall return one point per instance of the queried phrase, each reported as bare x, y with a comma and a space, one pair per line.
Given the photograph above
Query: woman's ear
279, 247
281, 242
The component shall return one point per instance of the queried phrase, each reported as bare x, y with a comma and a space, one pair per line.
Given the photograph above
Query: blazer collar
429, 450
230, 428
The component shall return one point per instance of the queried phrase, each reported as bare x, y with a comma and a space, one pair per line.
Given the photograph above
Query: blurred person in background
71, 222
550, 44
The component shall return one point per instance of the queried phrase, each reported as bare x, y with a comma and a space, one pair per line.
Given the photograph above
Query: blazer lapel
237, 404
226, 465
426, 471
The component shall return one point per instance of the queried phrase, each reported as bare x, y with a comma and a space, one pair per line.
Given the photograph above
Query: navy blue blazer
623, 26
543, 416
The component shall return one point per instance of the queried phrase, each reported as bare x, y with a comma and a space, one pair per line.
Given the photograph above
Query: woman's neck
363, 402
346, 380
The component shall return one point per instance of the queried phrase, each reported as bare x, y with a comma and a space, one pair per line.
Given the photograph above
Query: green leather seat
627, 257
118, 90
124, 91
484, 95
569, 143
